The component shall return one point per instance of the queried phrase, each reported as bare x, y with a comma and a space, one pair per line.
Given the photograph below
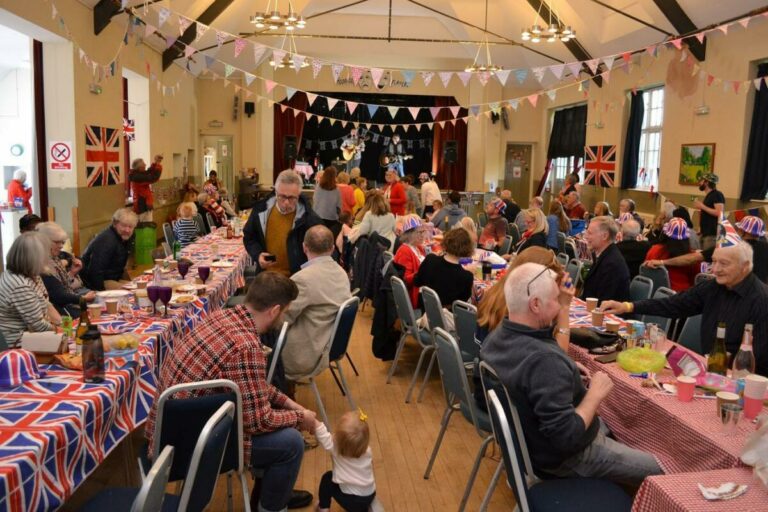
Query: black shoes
300, 499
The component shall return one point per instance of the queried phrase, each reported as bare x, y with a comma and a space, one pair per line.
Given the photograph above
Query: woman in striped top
186, 229
23, 300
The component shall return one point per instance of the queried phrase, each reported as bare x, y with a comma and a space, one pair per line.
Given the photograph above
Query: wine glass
166, 292
184, 268
153, 294
203, 272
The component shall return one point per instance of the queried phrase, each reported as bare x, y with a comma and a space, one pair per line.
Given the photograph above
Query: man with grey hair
608, 277
275, 230
736, 296
323, 287
105, 257
141, 180
564, 434
633, 247
512, 209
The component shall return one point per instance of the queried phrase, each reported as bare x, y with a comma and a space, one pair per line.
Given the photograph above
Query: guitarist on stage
356, 144
396, 154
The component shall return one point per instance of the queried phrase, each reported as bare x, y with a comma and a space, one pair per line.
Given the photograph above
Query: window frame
648, 131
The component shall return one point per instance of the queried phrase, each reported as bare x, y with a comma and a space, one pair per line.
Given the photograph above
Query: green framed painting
695, 161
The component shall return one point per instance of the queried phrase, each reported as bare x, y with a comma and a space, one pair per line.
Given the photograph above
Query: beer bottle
717, 361
93, 356
82, 326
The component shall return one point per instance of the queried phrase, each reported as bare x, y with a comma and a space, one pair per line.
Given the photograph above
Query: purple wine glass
203, 273
166, 292
153, 294
184, 268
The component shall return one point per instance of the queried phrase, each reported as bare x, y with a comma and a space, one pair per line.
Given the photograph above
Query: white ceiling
601, 32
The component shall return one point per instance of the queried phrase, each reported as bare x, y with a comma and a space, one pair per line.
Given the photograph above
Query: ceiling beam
176, 50
683, 25
573, 45
102, 14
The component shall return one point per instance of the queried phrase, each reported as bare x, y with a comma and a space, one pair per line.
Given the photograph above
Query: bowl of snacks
120, 343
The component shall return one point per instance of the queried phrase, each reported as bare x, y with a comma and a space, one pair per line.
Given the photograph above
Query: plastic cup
730, 414
94, 311
111, 306
685, 388
591, 303
754, 392
597, 318
612, 326
725, 398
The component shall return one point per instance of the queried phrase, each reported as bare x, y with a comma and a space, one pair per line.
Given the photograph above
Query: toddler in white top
351, 482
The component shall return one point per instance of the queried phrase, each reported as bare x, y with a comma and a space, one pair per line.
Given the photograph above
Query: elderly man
710, 209
495, 228
536, 203
736, 297
632, 246
275, 230
228, 346
141, 180
356, 145
627, 205
323, 287
430, 192
565, 436
573, 207
105, 257
608, 278
512, 209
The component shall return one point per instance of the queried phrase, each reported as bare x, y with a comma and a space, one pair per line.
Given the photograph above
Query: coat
608, 278
105, 259
323, 287
143, 199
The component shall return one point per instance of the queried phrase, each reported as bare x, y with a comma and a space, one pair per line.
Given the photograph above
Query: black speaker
249, 108
289, 147
450, 152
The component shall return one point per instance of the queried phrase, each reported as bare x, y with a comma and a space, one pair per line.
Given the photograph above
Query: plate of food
222, 264
182, 300
186, 288
113, 294
69, 361
130, 286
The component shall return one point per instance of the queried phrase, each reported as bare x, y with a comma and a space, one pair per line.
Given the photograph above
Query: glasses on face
59, 242
528, 288
287, 199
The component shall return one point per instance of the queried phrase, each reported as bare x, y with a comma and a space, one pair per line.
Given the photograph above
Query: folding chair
482, 219
562, 259
211, 221
574, 270
166, 249
506, 245
690, 336
200, 224
274, 356
701, 277
659, 276
560, 241
465, 319
168, 234
640, 288
514, 232
664, 322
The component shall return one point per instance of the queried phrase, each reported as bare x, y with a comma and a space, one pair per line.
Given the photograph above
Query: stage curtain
567, 139
755, 183
449, 176
286, 123
632, 142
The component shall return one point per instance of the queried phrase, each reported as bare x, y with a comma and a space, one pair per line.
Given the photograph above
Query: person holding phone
275, 230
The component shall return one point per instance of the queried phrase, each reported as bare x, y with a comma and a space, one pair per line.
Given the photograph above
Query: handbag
589, 338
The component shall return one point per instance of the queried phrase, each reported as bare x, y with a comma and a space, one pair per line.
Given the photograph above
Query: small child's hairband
363, 416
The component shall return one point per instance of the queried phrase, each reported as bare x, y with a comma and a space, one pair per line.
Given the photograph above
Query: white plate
222, 264
182, 300
186, 288
130, 286
113, 294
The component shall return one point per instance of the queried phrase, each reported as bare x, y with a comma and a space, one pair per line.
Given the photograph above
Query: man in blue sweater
565, 436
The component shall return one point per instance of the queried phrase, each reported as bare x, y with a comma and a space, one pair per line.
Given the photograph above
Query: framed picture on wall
695, 161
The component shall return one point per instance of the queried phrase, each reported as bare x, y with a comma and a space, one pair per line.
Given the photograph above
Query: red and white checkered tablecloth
680, 493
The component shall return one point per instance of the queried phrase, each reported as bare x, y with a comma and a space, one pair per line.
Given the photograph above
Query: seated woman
411, 253
444, 274
56, 278
186, 229
535, 234
674, 241
601, 208
437, 205
378, 218
468, 225
24, 302
557, 221
209, 205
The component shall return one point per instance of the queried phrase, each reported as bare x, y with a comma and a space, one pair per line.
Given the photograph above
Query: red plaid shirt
226, 346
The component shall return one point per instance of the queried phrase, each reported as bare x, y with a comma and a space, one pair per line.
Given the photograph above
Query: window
566, 143
650, 140
562, 167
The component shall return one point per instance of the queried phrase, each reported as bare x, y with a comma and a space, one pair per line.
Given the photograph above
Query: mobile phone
270, 257
607, 358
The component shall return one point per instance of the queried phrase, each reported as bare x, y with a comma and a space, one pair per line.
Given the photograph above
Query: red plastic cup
752, 407
685, 388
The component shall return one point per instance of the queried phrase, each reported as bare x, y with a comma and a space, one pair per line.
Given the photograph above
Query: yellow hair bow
363, 416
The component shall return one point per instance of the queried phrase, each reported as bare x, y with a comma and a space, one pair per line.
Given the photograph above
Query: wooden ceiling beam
672, 10
176, 50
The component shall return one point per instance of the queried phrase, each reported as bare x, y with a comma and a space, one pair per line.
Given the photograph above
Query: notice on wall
517, 171
60, 156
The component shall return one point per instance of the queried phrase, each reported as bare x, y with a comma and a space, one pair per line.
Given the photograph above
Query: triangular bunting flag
376, 74
188, 51
239, 46
427, 77
557, 70
184, 24
297, 113
606, 76
736, 86
442, 124
592, 65
226, 83
289, 92
575, 69
249, 78
503, 75
149, 30
351, 106
393, 111
608, 61
454, 110
533, 99
220, 37
677, 43
652, 50
474, 109
311, 97
228, 69
336, 70
514, 104
464, 76
483, 77
208, 61
538, 73
710, 79
331, 103
434, 111
700, 37
414, 112
169, 41
298, 61
372, 110
520, 75
756, 81
356, 74
269, 85
162, 15
200, 30
627, 56
723, 29
552, 94
258, 54
408, 76
278, 55
744, 22
445, 77
283, 107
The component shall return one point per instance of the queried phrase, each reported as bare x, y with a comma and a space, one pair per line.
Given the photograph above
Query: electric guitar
385, 159
348, 152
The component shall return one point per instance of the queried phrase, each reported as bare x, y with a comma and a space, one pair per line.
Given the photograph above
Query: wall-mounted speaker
249, 108
289, 147
450, 152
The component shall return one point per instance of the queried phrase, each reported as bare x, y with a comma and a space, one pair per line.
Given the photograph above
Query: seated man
735, 296
559, 416
450, 214
495, 229
627, 205
105, 257
608, 277
632, 247
573, 207
228, 346
323, 287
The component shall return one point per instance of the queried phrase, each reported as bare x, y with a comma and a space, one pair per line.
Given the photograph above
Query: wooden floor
402, 437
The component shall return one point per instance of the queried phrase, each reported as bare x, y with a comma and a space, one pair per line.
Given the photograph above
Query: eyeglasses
60, 242
528, 288
291, 199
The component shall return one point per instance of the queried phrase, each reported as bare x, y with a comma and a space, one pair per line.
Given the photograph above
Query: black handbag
590, 338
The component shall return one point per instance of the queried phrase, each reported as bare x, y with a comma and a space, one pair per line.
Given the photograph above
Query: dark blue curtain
632, 142
755, 183
569, 133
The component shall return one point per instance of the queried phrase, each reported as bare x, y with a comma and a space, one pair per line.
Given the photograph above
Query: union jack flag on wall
600, 165
129, 129
102, 156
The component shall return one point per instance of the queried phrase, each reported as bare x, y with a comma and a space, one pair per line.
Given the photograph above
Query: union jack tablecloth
55, 431
680, 493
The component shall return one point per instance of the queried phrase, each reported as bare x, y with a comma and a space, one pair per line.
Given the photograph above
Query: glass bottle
93, 356
744, 362
176, 249
82, 326
717, 361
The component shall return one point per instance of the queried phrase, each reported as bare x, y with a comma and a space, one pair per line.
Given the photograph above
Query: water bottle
176, 249
93, 356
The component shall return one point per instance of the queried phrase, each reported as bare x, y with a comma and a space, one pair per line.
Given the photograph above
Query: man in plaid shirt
227, 346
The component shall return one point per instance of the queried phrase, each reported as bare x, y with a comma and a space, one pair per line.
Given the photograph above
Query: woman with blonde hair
377, 218
535, 234
185, 229
467, 224
558, 222
601, 208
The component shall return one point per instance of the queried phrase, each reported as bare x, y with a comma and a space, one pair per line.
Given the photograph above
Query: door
517, 171
217, 156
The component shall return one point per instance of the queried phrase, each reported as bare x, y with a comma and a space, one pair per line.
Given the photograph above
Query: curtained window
629, 164
567, 139
755, 185
650, 140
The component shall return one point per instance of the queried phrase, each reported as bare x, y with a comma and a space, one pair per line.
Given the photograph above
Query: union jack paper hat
752, 225
624, 217
727, 237
17, 367
411, 222
676, 229
499, 204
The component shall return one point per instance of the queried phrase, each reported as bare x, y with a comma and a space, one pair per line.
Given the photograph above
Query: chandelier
274, 19
551, 32
477, 65
287, 60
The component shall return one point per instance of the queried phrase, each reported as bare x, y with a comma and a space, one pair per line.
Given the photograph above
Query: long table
55, 431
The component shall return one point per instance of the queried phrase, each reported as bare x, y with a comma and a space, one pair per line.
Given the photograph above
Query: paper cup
685, 388
597, 318
174, 264
94, 311
141, 285
612, 326
725, 397
755, 386
591, 303
111, 306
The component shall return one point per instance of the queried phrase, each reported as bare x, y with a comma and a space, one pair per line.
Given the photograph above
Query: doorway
517, 171
217, 156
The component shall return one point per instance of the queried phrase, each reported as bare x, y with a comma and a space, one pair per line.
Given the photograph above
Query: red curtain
449, 176
286, 123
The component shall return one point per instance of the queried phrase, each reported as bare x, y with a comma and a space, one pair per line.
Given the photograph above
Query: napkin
726, 491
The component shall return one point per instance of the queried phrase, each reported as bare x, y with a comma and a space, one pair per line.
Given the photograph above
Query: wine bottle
717, 362
82, 326
93, 356
744, 362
